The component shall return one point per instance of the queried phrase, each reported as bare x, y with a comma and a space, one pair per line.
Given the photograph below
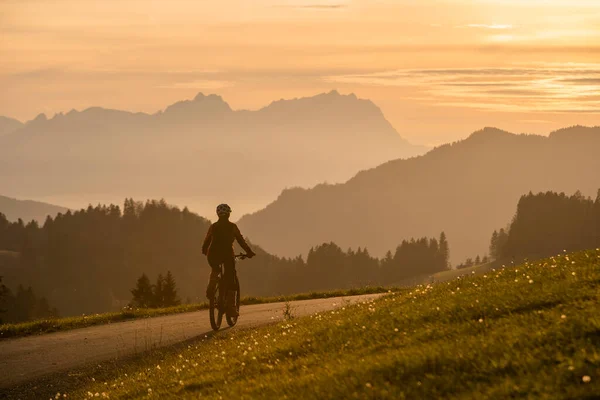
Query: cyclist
218, 248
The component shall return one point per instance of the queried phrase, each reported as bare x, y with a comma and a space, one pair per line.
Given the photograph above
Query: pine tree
494, 246
169, 292
501, 243
444, 250
157, 297
4, 296
142, 294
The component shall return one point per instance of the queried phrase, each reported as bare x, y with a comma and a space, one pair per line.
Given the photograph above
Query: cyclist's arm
207, 241
240, 239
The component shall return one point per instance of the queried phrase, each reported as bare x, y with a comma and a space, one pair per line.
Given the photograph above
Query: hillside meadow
529, 331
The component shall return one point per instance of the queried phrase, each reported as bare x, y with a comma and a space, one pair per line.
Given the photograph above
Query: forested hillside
467, 189
89, 260
549, 223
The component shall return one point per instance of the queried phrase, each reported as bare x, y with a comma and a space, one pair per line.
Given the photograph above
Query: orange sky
439, 69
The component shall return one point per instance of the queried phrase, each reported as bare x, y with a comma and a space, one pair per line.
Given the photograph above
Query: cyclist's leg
229, 271
213, 279
229, 279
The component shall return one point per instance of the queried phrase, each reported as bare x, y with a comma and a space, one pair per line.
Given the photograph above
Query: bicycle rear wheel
215, 307
231, 320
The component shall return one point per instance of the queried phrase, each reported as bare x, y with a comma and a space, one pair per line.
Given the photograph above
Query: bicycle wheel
214, 308
231, 320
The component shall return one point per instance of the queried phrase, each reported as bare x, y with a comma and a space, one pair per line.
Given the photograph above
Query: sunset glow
527, 66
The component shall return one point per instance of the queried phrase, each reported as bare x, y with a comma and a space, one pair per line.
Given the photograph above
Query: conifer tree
169, 292
444, 250
158, 299
4, 295
494, 246
142, 293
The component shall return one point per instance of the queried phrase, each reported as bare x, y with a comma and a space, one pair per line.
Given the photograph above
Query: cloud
315, 6
489, 26
533, 88
323, 6
199, 84
584, 81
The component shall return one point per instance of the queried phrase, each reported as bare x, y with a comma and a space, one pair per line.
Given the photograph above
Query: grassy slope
63, 324
529, 331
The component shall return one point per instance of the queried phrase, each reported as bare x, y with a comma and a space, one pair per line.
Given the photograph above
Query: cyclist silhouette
218, 248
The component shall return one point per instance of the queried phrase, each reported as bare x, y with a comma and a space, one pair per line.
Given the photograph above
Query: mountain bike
218, 302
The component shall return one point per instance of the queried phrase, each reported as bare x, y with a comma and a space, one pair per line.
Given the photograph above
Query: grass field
531, 331
62, 324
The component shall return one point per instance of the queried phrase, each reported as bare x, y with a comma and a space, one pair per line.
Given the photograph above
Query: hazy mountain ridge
467, 188
9, 125
199, 151
28, 210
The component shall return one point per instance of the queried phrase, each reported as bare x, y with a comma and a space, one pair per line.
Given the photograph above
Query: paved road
29, 358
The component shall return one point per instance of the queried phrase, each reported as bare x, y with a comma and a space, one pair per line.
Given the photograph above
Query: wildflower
571, 368
181, 383
158, 367
563, 316
586, 379
370, 386
531, 281
573, 273
395, 329
480, 319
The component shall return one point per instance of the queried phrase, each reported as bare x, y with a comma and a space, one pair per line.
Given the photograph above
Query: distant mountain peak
211, 97
489, 133
575, 130
200, 104
3, 118
326, 99
40, 118
9, 125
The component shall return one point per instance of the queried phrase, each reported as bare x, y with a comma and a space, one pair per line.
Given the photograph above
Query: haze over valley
467, 189
196, 152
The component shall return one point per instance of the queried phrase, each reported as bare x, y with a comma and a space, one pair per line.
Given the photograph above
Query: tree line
87, 261
547, 223
23, 305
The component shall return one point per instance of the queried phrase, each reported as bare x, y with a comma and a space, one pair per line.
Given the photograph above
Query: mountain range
197, 152
467, 189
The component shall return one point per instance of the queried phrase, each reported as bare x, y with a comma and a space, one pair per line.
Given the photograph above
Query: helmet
223, 209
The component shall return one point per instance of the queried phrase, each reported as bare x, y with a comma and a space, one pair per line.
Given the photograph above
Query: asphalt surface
26, 359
